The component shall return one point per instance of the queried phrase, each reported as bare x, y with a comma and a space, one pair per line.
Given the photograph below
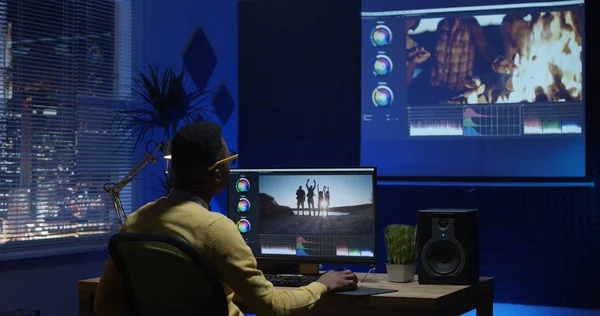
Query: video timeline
316, 245
496, 120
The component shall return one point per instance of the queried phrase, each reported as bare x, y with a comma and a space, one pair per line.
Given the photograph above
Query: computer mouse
348, 288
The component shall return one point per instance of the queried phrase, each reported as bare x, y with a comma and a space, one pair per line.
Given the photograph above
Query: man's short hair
195, 147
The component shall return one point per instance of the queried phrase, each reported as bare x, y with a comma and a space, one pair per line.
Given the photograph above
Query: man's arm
499, 64
109, 300
227, 251
488, 52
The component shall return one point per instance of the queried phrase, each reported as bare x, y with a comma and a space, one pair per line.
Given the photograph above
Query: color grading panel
244, 205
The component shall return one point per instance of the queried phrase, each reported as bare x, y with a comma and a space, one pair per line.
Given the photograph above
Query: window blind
65, 70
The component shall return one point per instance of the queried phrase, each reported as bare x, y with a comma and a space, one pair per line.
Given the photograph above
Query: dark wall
299, 66
47, 284
300, 99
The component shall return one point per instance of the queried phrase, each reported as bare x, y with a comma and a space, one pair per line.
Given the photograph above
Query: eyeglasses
232, 159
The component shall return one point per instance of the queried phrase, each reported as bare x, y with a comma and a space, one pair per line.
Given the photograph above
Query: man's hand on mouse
335, 281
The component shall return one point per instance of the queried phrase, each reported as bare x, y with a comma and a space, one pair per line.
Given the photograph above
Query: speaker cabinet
448, 246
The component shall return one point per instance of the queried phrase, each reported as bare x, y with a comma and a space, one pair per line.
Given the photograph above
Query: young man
201, 162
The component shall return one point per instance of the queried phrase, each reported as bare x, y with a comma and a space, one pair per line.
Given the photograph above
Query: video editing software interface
324, 214
501, 84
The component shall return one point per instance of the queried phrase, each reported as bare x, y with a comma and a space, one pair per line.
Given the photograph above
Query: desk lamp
115, 189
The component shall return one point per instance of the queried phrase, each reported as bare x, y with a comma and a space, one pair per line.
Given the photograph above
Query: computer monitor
306, 215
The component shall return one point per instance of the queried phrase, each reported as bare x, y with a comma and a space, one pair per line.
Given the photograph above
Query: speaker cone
443, 257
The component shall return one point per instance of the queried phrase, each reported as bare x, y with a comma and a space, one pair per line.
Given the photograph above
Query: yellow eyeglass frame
234, 156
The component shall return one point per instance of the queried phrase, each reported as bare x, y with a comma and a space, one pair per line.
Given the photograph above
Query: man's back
185, 219
221, 245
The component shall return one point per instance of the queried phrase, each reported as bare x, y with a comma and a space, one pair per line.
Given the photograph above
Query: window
65, 69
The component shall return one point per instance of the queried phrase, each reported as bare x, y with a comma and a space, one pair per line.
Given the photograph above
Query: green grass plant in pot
401, 248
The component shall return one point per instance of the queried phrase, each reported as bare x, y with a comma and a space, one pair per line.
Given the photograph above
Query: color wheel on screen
243, 226
382, 96
242, 185
381, 35
243, 205
383, 65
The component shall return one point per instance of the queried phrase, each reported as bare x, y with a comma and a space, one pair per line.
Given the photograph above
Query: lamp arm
115, 189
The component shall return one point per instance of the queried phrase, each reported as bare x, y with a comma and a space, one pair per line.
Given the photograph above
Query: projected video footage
503, 83
307, 214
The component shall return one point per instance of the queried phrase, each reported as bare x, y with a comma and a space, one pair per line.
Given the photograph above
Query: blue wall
168, 28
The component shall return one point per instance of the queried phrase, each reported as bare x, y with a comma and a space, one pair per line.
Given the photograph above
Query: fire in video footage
507, 58
549, 64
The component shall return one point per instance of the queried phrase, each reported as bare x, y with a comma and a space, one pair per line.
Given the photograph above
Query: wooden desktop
411, 299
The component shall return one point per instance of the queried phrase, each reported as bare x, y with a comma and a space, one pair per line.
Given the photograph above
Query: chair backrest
165, 275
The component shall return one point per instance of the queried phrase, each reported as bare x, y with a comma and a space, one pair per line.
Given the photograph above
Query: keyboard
291, 280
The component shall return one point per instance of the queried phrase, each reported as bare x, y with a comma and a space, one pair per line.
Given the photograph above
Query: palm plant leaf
166, 102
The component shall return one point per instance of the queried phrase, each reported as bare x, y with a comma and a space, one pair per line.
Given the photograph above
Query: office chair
165, 275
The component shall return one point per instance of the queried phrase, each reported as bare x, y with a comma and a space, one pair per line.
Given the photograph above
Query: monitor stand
309, 268
278, 267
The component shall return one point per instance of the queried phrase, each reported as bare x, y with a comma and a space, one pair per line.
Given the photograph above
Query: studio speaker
448, 247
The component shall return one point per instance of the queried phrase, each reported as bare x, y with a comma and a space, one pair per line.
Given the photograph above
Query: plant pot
401, 273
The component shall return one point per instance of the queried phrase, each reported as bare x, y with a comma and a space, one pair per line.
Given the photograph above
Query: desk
411, 299
87, 291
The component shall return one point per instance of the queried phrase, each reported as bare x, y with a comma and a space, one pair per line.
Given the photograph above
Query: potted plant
401, 247
164, 100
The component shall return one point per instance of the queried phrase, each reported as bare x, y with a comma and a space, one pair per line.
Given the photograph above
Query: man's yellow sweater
218, 240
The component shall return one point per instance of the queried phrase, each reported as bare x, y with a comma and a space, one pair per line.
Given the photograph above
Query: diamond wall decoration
223, 104
200, 61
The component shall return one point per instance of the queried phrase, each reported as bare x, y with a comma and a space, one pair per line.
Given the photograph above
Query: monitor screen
460, 89
312, 215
